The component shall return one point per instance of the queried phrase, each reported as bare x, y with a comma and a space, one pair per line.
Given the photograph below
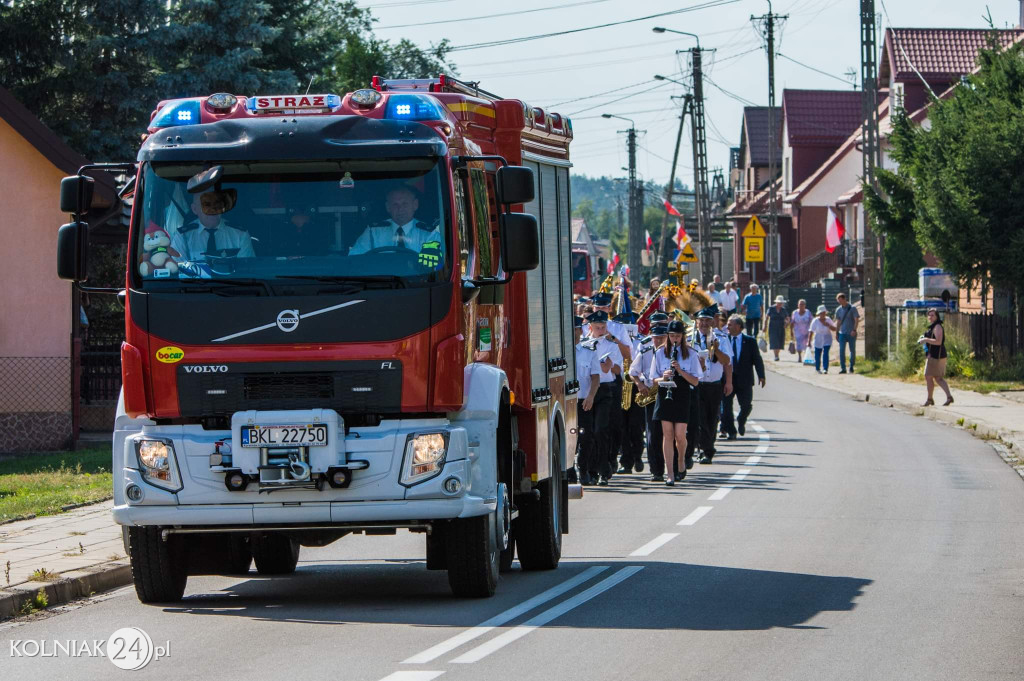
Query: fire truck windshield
300, 220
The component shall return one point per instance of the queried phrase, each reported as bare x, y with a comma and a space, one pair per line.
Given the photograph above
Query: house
37, 309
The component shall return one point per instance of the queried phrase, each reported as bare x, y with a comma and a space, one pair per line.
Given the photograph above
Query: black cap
603, 299
659, 317
708, 312
626, 318
659, 329
599, 317
577, 322
677, 327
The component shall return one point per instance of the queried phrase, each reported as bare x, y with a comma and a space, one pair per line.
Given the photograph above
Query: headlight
424, 457
157, 463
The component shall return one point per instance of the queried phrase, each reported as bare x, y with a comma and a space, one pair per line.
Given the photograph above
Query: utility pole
633, 243
670, 189
700, 168
771, 261
874, 290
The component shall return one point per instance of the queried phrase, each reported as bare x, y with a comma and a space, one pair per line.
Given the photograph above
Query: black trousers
744, 394
753, 326
617, 425
584, 436
703, 425
655, 455
633, 435
597, 461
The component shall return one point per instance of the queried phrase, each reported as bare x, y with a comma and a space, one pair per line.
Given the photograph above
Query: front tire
275, 554
159, 568
539, 526
237, 554
473, 557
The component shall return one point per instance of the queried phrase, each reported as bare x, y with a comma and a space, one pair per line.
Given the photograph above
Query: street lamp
631, 123
662, 29
635, 209
671, 80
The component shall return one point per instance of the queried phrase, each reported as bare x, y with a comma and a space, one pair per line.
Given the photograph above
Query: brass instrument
608, 284
627, 384
649, 398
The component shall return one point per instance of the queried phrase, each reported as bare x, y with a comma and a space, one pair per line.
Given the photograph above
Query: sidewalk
82, 548
989, 417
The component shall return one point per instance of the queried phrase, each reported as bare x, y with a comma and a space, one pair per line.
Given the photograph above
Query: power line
510, 41
570, 67
816, 70
612, 101
606, 92
733, 95
492, 16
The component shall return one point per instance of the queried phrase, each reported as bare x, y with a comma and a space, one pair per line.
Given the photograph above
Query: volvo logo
288, 320
206, 369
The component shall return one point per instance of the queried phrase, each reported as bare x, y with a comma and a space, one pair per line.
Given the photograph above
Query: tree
965, 173
364, 56
894, 218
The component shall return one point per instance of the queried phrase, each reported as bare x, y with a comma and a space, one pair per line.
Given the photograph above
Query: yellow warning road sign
688, 255
754, 229
753, 249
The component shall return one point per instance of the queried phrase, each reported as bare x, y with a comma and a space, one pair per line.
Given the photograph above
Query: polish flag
650, 241
613, 263
681, 238
671, 209
834, 231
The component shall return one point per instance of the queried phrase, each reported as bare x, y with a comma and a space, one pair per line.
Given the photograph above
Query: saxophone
627, 385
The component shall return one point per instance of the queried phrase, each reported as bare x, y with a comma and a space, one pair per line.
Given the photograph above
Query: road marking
752, 461
501, 618
760, 429
740, 474
720, 493
499, 642
695, 515
655, 544
412, 676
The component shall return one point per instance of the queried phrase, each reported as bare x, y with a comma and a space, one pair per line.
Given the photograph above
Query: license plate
285, 436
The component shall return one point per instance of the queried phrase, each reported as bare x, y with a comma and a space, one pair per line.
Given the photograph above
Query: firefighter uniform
599, 462
703, 425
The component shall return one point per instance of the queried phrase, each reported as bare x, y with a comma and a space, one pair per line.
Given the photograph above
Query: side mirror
200, 182
72, 243
515, 184
76, 194
520, 242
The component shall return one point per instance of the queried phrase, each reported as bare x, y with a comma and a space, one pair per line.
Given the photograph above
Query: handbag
792, 347
762, 344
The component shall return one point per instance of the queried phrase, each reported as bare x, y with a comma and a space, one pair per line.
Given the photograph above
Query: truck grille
359, 387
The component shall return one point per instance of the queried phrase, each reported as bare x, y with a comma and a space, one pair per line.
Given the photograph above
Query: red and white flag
650, 241
681, 238
834, 231
671, 209
613, 263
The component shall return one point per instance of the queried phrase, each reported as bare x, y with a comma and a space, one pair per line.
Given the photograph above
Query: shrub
909, 357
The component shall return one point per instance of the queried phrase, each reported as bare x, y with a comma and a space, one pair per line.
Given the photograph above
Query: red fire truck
344, 314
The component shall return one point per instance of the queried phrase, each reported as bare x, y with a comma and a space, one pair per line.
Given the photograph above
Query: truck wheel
506, 536
275, 554
539, 526
237, 554
473, 557
158, 566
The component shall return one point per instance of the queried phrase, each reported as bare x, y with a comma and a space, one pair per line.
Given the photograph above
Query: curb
1001, 440
72, 585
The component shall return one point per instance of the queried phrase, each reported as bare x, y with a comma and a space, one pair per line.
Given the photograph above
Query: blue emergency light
413, 108
177, 112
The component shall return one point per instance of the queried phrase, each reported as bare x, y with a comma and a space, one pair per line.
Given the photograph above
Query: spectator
800, 320
847, 320
821, 335
652, 289
729, 299
714, 295
751, 306
934, 340
777, 321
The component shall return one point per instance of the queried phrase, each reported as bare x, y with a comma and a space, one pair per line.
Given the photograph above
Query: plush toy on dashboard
157, 257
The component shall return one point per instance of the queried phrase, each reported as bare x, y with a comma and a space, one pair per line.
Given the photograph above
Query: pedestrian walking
934, 340
715, 382
752, 306
821, 335
634, 425
746, 360
677, 370
729, 299
589, 384
800, 320
777, 319
643, 374
607, 365
847, 320
713, 294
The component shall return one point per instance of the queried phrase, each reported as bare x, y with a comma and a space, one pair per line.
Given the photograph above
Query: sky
562, 73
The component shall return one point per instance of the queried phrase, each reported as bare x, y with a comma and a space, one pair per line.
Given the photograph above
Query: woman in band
677, 363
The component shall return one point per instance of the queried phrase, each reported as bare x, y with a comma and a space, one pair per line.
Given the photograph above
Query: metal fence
99, 383
36, 409
990, 335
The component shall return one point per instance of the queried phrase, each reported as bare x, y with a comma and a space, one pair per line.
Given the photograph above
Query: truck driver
401, 230
208, 233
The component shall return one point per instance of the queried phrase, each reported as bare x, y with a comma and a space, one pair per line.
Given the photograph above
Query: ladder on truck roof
442, 83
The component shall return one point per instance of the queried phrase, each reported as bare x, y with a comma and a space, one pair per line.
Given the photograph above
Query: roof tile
940, 54
821, 117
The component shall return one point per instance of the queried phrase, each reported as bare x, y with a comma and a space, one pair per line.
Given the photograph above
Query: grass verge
44, 483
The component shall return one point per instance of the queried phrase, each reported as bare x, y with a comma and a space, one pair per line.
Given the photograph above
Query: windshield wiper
211, 285
344, 279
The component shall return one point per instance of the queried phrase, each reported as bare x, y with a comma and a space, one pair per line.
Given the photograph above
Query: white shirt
660, 364
641, 364
728, 300
715, 370
715, 296
381, 236
584, 359
605, 347
822, 334
735, 347
192, 242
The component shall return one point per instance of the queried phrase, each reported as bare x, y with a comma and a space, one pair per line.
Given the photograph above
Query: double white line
516, 633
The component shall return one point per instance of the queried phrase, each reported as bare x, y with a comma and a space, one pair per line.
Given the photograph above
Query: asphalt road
862, 544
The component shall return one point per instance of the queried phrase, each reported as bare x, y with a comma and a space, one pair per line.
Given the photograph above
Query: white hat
822, 308
779, 299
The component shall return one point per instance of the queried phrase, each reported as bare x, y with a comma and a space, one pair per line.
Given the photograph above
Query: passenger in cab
207, 233
401, 230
